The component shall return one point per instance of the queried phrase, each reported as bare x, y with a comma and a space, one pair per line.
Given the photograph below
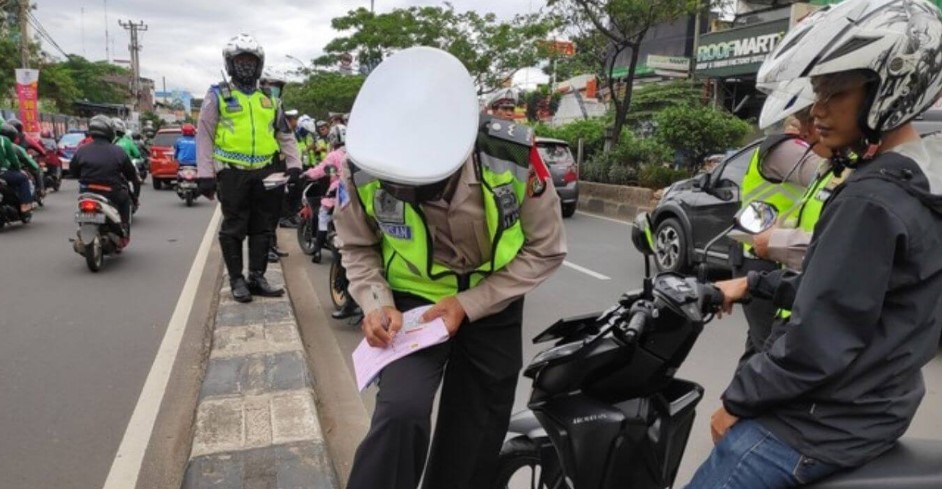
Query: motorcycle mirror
756, 217
641, 236
643, 240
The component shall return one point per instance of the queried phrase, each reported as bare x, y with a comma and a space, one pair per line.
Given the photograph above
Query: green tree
492, 50
91, 78
323, 92
699, 130
624, 24
540, 100
56, 84
651, 99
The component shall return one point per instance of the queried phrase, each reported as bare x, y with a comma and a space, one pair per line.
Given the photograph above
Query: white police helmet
415, 120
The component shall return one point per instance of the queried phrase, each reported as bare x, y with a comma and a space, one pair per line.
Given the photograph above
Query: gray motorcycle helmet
101, 126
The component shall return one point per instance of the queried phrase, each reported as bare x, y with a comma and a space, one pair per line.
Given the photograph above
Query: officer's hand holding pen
380, 325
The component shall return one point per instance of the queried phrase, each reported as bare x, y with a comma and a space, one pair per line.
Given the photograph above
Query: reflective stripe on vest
245, 133
407, 247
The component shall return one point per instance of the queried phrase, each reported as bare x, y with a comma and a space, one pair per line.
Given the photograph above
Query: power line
41, 29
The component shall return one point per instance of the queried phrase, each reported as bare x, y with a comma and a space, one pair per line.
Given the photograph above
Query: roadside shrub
656, 177
592, 132
698, 131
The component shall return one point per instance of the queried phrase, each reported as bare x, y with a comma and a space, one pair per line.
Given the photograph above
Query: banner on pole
27, 91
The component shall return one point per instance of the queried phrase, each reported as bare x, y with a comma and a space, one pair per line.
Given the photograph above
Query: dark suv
694, 211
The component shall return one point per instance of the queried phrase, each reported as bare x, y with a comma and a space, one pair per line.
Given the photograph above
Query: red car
163, 167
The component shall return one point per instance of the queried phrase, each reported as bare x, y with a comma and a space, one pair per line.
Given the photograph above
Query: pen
384, 319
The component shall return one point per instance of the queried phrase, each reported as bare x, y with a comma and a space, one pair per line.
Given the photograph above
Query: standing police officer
240, 130
454, 211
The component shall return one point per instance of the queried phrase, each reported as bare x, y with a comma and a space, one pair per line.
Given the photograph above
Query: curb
257, 422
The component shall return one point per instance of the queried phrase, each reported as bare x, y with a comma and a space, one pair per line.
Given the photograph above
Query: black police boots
258, 285
232, 256
258, 262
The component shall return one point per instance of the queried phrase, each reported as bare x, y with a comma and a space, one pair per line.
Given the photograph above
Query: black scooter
10, 206
607, 411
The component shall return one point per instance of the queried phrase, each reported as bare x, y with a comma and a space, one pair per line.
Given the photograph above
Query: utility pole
135, 48
107, 35
24, 33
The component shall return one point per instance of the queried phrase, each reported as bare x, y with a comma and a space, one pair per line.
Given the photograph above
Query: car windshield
71, 139
166, 139
555, 154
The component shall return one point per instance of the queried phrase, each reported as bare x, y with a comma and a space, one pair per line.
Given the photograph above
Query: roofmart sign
738, 51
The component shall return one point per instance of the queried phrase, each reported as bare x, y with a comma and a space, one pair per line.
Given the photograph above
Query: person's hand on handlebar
734, 291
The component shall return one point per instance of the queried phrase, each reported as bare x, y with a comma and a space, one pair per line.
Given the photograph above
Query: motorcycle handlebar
636, 325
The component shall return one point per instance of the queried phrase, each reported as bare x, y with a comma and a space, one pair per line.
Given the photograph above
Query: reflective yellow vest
245, 133
755, 187
811, 207
406, 242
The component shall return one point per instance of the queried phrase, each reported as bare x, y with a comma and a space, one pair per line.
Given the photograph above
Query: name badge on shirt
399, 231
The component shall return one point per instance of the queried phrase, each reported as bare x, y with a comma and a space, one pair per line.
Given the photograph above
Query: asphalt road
601, 265
76, 347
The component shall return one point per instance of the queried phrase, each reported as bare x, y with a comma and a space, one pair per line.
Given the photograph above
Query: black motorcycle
10, 206
607, 411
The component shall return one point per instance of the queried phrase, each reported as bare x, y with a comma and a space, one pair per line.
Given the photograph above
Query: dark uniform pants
760, 313
480, 365
247, 210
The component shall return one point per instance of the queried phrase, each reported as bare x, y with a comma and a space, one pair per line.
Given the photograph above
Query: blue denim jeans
751, 457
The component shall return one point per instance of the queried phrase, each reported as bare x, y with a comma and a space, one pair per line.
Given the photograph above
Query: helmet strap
872, 138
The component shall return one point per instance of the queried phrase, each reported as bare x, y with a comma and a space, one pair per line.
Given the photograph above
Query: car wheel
569, 209
670, 246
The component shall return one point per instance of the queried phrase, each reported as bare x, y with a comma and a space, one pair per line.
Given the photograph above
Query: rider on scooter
840, 382
123, 141
21, 144
10, 169
184, 149
330, 166
104, 168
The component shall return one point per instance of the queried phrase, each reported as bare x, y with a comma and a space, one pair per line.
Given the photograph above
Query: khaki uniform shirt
460, 241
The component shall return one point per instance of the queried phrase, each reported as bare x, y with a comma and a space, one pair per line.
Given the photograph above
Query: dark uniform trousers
247, 210
480, 365
760, 313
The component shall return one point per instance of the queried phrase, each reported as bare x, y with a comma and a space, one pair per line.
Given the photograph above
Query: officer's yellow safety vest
406, 243
245, 133
755, 187
811, 207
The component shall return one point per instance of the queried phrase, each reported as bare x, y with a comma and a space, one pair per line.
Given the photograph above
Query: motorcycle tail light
89, 206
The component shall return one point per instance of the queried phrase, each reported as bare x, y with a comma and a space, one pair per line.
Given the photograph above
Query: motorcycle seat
911, 464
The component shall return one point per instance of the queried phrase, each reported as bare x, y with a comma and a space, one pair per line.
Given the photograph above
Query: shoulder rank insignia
508, 130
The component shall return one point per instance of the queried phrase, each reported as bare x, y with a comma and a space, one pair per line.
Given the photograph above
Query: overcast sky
185, 38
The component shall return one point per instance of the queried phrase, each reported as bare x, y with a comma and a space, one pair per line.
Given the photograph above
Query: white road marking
619, 221
586, 271
130, 457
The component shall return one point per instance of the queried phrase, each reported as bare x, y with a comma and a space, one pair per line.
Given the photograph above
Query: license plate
187, 185
92, 217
